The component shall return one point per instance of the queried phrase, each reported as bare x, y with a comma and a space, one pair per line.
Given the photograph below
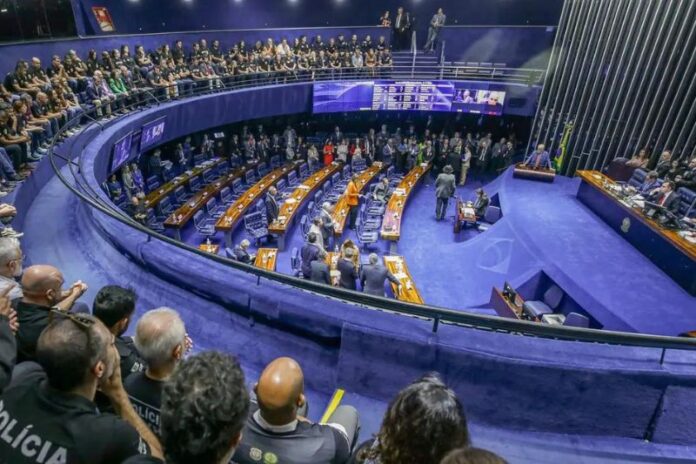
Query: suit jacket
372, 277
319, 272
241, 255
349, 274
308, 253
648, 187
544, 161
481, 204
671, 203
271, 207
445, 185
328, 225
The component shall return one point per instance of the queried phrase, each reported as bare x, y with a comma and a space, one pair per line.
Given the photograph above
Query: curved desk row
236, 211
340, 212
293, 203
391, 226
183, 214
154, 197
409, 293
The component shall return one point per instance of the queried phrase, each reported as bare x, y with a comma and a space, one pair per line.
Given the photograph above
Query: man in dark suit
649, 184
401, 28
373, 275
327, 224
666, 197
319, 270
481, 203
241, 252
271, 204
444, 189
308, 253
349, 273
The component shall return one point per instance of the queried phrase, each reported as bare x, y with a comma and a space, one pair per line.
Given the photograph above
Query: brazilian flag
567, 132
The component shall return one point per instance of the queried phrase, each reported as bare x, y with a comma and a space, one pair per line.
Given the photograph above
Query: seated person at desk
241, 253
666, 197
320, 271
349, 271
310, 252
649, 184
481, 203
272, 209
539, 158
373, 275
137, 208
687, 178
275, 429
381, 190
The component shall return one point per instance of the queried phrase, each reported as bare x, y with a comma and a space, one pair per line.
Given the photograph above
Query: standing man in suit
309, 252
481, 203
666, 197
539, 158
272, 208
444, 189
327, 224
353, 200
319, 270
401, 27
373, 275
348, 270
436, 23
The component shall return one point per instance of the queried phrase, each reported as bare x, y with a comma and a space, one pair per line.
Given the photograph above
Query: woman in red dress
328, 152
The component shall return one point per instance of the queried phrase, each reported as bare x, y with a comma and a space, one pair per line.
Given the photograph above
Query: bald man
42, 289
275, 432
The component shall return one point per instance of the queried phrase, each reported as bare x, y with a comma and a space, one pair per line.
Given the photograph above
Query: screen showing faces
152, 133
122, 152
388, 95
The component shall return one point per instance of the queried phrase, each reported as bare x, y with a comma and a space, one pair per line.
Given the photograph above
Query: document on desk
400, 275
304, 187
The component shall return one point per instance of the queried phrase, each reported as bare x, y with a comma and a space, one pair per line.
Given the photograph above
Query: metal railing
79, 186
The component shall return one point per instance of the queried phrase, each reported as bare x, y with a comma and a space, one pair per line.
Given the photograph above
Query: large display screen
122, 152
152, 133
390, 95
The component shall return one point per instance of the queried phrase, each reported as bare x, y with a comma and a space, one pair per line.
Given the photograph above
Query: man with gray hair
327, 224
161, 340
11, 260
373, 275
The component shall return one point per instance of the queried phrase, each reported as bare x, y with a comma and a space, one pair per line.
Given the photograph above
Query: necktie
664, 198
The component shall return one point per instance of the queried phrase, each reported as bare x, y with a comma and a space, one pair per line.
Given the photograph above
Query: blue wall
178, 15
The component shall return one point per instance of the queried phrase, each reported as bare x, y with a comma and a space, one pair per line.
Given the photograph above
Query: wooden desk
238, 209
184, 213
340, 212
543, 174
664, 247
213, 248
409, 293
391, 225
154, 197
465, 214
504, 307
266, 258
293, 203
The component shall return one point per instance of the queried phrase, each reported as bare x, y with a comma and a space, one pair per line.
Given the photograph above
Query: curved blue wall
504, 380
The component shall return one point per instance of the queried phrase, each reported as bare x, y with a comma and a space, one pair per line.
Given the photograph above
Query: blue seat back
275, 161
195, 183
208, 175
335, 178
151, 216
179, 194
281, 185
637, 178
304, 170
346, 171
687, 202
263, 169
359, 165
317, 197
492, 215
237, 185
304, 223
553, 296
576, 320
260, 206
292, 178
295, 258
165, 205
226, 195
390, 171
197, 218
210, 205
250, 177
153, 183
310, 207
223, 167
198, 159
254, 221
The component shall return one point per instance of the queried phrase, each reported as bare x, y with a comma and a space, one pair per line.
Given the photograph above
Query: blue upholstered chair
195, 184
359, 165
263, 169
198, 159
180, 195
205, 227
367, 231
208, 175
551, 300
152, 183
295, 262
226, 197
293, 180
275, 162
214, 210
165, 207
493, 214
152, 222
256, 225
637, 178
237, 188
304, 170
687, 202
250, 177
304, 225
